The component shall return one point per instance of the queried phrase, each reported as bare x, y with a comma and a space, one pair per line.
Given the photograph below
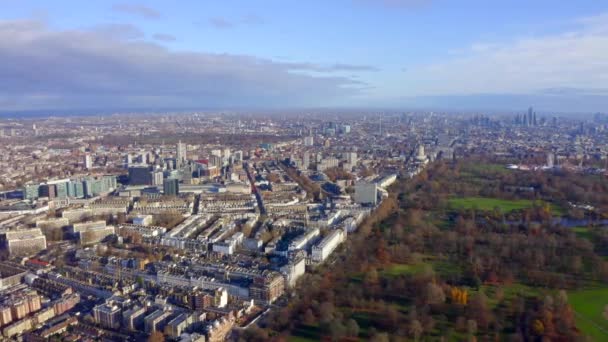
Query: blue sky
446, 54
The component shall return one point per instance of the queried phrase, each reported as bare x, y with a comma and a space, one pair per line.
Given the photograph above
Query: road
257, 194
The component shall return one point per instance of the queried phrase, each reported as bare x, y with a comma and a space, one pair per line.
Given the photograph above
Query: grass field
395, 270
484, 168
488, 204
304, 333
589, 308
582, 232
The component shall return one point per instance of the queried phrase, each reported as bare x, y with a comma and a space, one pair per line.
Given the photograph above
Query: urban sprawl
196, 225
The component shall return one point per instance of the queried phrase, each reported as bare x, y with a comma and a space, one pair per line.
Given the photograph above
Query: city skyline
347, 54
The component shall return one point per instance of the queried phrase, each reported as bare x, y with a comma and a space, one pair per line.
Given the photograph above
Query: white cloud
575, 59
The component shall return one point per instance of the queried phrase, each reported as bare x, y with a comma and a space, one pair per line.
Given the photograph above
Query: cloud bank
114, 66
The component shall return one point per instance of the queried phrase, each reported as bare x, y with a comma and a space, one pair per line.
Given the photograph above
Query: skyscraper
88, 161
181, 154
530, 116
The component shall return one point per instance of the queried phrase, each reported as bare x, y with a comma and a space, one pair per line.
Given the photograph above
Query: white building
366, 193
88, 161
293, 271
25, 242
143, 220
323, 249
351, 158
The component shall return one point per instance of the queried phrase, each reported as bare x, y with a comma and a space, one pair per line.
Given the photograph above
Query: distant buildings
71, 188
327, 163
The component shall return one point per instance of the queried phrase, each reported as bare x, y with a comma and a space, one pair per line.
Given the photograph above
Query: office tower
32, 191
530, 116
157, 177
88, 161
309, 141
47, 190
366, 193
61, 189
171, 187
140, 175
181, 154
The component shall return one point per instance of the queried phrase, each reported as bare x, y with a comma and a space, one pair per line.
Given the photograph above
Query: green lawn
395, 270
509, 292
582, 232
484, 168
488, 204
305, 333
589, 306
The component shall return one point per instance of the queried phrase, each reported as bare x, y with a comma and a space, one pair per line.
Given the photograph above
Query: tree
415, 329
380, 337
156, 336
434, 294
326, 312
352, 328
337, 329
471, 327
538, 328
309, 317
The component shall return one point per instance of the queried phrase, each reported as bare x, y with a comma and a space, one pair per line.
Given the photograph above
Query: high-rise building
108, 316
351, 158
171, 187
157, 177
309, 141
306, 161
88, 161
550, 160
32, 191
366, 193
140, 175
215, 160
128, 160
47, 190
238, 156
181, 154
